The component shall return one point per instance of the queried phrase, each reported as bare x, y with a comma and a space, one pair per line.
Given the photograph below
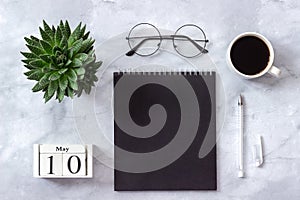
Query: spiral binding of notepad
165, 72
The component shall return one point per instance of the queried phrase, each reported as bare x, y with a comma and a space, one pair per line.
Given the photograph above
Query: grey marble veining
272, 105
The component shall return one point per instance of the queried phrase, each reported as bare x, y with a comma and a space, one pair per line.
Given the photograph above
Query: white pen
241, 172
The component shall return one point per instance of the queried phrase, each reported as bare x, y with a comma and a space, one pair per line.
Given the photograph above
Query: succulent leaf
62, 28
37, 87
53, 85
80, 71
75, 35
36, 75
63, 83
72, 75
64, 42
33, 41
58, 36
68, 63
47, 96
35, 50
45, 57
29, 55
70, 92
76, 46
86, 44
77, 62
45, 36
81, 56
48, 30
28, 67
54, 76
82, 31
38, 63
27, 61
60, 95
86, 36
53, 30
29, 73
73, 84
44, 80
46, 46
67, 29
61, 71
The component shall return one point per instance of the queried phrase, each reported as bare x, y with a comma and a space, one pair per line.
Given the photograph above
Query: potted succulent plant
62, 61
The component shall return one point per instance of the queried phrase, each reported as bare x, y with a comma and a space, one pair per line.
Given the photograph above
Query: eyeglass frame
167, 37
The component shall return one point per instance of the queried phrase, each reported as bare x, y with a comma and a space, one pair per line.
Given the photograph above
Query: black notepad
164, 131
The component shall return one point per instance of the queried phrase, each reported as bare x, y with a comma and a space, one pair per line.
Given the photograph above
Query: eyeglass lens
140, 34
185, 47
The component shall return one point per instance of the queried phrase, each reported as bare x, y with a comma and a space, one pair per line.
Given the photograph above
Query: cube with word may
62, 161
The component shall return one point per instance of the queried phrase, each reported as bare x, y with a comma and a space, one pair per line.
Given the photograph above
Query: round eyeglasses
144, 39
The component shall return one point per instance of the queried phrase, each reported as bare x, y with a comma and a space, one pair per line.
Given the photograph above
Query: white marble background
273, 108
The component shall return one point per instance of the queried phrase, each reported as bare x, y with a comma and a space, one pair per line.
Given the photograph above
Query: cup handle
274, 71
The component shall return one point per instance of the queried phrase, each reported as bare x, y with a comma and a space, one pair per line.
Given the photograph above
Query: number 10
69, 164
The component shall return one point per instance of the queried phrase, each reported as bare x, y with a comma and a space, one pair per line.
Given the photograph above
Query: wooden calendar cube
62, 161
74, 164
50, 164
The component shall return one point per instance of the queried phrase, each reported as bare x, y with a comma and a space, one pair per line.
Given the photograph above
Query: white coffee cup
270, 68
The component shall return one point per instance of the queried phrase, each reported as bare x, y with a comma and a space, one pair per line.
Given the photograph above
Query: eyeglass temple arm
135, 48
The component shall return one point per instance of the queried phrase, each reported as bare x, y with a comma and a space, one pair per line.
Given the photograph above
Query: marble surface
272, 105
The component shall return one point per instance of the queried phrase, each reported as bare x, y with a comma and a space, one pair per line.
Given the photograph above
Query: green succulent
63, 62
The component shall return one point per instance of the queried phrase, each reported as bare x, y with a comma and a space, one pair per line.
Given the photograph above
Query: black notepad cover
188, 172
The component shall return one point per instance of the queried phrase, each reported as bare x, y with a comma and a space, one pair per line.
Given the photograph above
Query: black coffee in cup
250, 55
